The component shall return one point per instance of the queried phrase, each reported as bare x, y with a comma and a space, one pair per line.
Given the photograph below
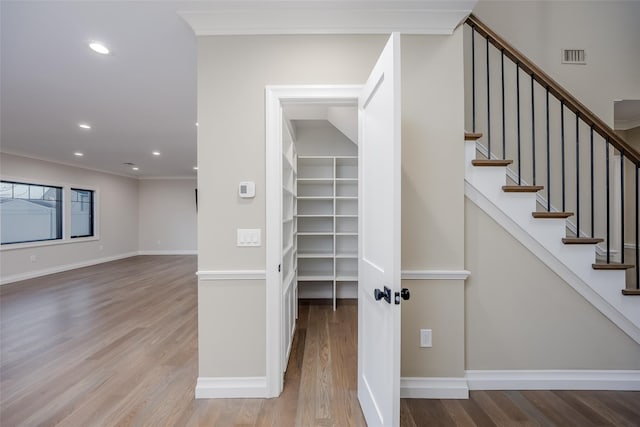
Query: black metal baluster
622, 206
592, 187
533, 130
518, 111
577, 174
504, 132
548, 157
637, 233
607, 195
488, 105
562, 148
473, 79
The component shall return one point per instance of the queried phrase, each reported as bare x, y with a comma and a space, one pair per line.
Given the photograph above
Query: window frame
92, 211
66, 213
59, 226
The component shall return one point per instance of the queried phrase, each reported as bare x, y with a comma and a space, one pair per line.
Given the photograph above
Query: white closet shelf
346, 234
347, 256
314, 255
316, 197
315, 233
314, 278
314, 181
346, 278
317, 216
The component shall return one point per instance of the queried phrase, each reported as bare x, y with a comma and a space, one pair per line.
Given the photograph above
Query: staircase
559, 222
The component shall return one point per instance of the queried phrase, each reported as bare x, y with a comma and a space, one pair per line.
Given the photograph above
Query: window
81, 213
30, 212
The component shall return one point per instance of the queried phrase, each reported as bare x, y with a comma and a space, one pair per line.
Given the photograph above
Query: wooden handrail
554, 88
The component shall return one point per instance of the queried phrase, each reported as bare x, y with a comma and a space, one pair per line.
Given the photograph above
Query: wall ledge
215, 275
231, 387
435, 274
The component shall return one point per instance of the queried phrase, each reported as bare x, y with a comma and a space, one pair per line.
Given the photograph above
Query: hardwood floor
116, 345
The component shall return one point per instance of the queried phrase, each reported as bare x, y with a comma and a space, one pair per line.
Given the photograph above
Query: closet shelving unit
327, 221
289, 241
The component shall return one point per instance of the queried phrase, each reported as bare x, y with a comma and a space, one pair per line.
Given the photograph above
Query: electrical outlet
425, 338
33, 258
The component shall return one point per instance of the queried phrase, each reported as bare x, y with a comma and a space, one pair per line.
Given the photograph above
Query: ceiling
138, 99
142, 96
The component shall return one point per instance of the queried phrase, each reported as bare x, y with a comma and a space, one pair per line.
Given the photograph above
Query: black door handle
386, 294
404, 294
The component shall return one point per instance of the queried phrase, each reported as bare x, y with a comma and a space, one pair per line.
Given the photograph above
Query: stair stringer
543, 237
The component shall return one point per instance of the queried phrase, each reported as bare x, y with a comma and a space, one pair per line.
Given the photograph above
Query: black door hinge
279, 266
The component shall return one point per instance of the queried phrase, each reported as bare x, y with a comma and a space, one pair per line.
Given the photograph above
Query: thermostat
247, 189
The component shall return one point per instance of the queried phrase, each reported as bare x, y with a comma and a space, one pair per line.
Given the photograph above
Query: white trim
231, 387
170, 252
61, 268
435, 274
433, 388
554, 380
275, 96
214, 275
328, 17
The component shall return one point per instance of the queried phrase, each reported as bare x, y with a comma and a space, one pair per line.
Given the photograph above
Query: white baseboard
61, 268
231, 387
433, 388
170, 252
628, 380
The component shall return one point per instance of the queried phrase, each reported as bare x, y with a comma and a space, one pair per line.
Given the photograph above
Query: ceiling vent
129, 164
573, 56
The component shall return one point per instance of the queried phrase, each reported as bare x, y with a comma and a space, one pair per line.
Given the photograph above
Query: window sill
27, 245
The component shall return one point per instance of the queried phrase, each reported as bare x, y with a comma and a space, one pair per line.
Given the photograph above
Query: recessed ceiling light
79, 154
155, 153
135, 168
84, 125
195, 168
99, 48
196, 123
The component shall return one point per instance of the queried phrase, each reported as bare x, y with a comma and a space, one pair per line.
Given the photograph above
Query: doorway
301, 102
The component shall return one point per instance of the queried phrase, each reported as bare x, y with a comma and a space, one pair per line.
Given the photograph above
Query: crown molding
328, 17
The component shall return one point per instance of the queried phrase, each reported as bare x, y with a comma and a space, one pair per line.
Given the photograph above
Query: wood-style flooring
116, 345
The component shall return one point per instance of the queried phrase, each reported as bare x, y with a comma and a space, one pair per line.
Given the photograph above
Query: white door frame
275, 97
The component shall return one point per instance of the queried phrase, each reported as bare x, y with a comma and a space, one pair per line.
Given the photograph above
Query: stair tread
631, 292
544, 215
491, 162
611, 266
581, 240
471, 136
521, 188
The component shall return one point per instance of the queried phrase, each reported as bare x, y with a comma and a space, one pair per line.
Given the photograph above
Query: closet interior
319, 204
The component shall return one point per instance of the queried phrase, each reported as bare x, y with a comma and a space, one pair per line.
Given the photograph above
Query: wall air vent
573, 56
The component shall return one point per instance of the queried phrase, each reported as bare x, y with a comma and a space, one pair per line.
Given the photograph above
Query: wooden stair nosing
471, 136
611, 266
581, 241
631, 292
521, 188
491, 162
546, 215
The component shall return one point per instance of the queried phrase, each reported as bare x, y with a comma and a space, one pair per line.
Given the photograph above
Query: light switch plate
425, 338
249, 237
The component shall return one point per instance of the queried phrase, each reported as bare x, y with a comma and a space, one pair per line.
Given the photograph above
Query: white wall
607, 30
321, 138
167, 216
117, 213
521, 315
